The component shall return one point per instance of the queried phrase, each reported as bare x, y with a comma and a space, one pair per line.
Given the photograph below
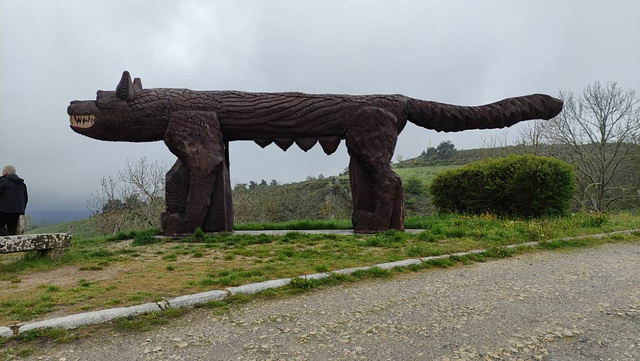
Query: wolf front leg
176, 193
195, 138
378, 196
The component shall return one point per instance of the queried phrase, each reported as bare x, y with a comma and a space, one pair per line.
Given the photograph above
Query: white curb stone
528, 244
348, 271
403, 263
91, 318
6, 332
316, 276
260, 286
431, 258
475, 251
197, 299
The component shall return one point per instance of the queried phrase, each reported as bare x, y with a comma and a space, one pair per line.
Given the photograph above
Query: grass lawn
134, 268
425, 174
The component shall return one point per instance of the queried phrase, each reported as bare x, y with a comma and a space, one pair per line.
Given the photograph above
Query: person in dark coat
13, 200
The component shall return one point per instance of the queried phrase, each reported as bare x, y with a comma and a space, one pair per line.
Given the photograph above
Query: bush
145, 237
199, 235
414, 185
520, 186
120, 236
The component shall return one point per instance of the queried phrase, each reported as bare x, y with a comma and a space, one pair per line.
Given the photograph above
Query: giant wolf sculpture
197, 127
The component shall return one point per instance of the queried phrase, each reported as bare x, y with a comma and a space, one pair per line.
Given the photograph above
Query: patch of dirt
63, 276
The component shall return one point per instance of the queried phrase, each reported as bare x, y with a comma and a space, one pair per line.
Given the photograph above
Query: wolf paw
366, 222
173, 224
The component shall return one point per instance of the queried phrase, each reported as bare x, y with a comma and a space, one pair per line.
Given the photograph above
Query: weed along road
580, 304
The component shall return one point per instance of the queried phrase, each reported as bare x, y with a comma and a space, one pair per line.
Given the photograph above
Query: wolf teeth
83, 121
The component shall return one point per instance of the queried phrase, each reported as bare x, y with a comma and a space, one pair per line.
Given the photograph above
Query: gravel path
583, 305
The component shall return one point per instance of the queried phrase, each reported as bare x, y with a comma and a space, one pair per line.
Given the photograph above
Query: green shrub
414, 185
594, 220
520, 186
300, 282
120, 236
373, 272
384, 239
199, 235
145, 237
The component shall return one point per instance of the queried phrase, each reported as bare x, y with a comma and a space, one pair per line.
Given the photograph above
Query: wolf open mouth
82, 121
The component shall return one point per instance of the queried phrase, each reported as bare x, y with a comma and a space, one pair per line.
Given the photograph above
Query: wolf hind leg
377, 191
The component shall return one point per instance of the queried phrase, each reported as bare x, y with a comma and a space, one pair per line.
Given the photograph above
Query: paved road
583, 305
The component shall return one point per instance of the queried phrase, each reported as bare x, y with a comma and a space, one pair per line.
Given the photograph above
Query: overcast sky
460, 52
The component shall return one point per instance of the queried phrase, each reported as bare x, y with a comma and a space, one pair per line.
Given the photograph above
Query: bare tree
145, 181
108, 194
597, 131
496, 144
132, 200
531, 136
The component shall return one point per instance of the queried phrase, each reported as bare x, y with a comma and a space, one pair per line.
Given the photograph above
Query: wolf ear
125, 87
137, 85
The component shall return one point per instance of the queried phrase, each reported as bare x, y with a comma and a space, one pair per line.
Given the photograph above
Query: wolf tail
504, 113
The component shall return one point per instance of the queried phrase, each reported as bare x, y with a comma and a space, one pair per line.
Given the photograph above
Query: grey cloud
461, 52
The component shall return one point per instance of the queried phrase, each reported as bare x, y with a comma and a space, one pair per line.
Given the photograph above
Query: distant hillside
423, 173
466, 156
324, 198
47, 217
327, 198
330, 197
84, 228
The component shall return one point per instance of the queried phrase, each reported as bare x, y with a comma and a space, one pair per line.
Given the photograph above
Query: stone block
91, 318
403, 263
50, 244
197, 299
348, 271
260, 286
5, 332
